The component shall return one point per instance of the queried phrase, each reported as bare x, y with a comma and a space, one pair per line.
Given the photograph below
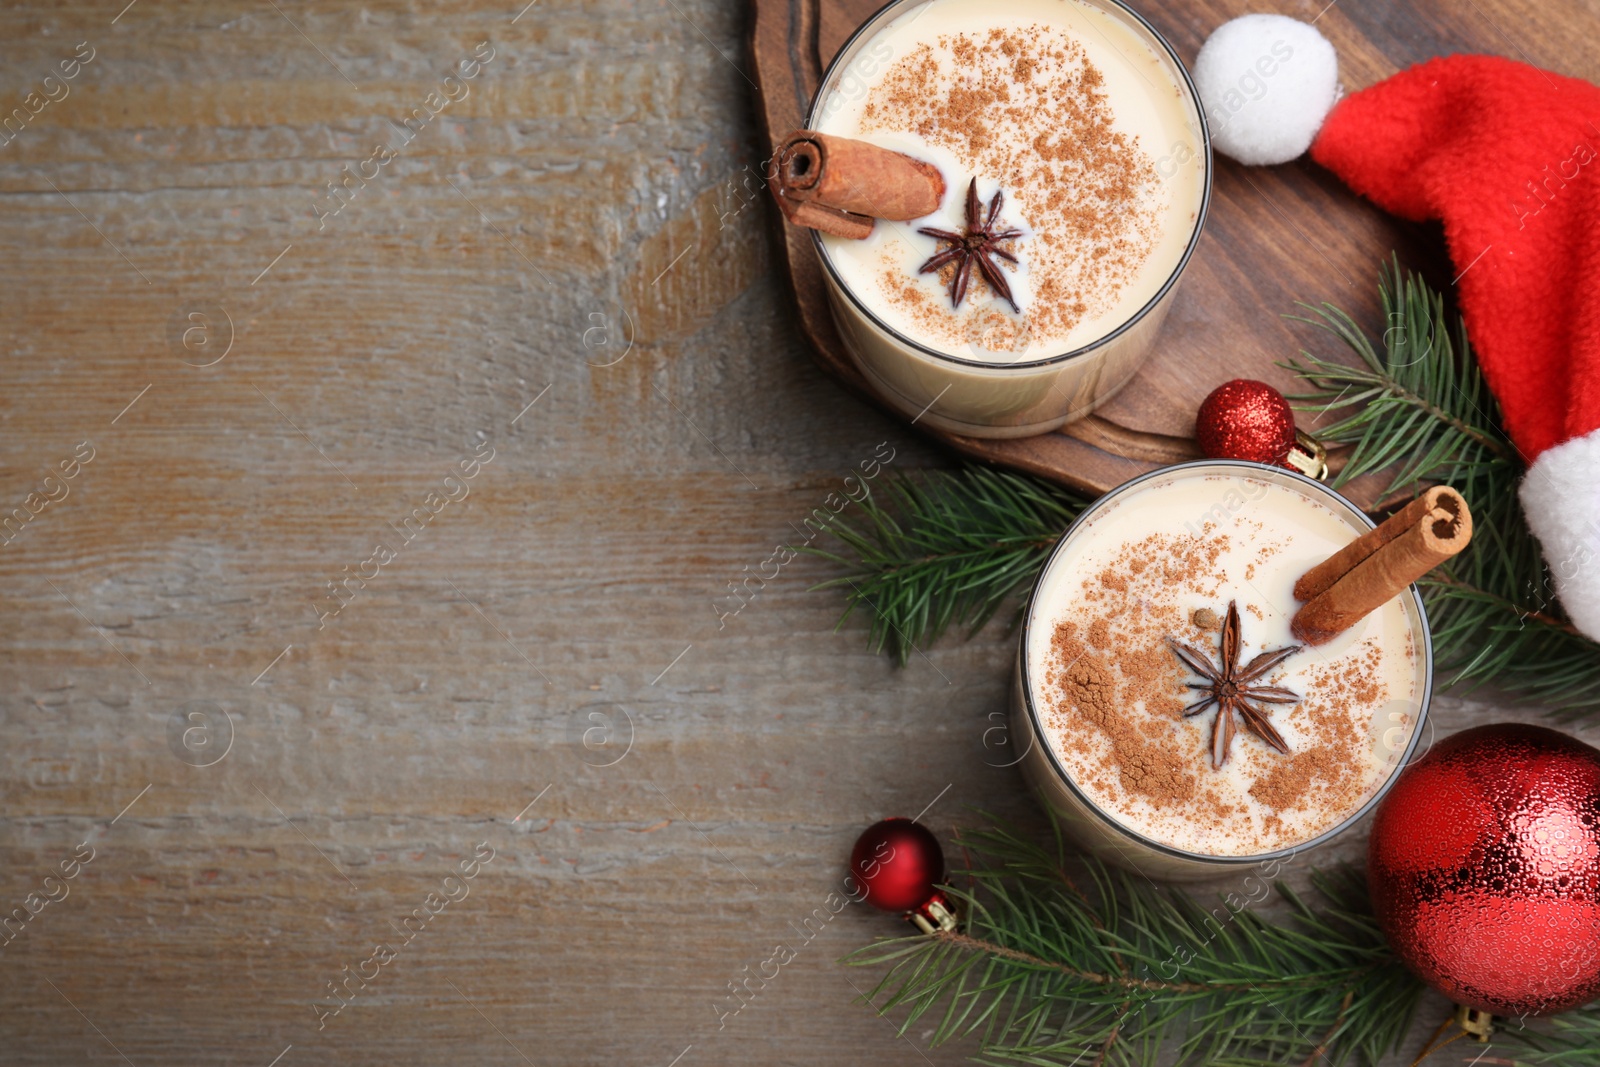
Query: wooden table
561, 281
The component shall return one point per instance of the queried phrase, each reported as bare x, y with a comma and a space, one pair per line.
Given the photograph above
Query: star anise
980, 241
1229, 687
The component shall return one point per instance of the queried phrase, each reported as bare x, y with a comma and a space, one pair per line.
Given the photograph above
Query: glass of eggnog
1075, 130
1163, 709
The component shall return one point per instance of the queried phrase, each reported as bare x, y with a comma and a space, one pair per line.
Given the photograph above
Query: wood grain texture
543, 668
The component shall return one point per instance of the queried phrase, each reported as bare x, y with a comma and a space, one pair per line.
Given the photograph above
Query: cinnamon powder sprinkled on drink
1028, 109
1114, 695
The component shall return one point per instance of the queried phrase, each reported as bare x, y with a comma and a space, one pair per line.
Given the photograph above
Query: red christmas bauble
1484, 867
1245, 419
899, 864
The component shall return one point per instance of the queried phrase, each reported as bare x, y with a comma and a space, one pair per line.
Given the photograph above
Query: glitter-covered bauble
1484, 868
900, 864
1245, 419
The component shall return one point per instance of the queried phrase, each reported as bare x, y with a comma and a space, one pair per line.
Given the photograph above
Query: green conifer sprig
1568, 1040
1421, 413
1063, 961
953, 548
1121, 972
946, 548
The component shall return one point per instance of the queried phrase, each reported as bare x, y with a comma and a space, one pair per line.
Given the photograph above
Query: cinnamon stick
839, 185
1379, 564
1320, 578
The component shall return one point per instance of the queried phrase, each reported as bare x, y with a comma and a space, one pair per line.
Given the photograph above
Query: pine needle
1571, 1039
946, 548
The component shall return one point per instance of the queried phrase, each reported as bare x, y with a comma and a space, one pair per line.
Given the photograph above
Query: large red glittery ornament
1245, 419
1484, 867
900, 864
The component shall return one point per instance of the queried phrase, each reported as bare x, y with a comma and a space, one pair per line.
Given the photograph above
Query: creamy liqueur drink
1139, 590
1083, 123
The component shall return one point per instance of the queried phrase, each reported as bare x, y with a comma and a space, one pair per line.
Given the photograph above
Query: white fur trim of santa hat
1561, 498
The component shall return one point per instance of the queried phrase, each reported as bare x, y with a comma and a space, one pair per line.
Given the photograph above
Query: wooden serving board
1275, 236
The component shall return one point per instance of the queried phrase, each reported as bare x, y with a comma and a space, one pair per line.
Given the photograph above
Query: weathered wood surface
590, 181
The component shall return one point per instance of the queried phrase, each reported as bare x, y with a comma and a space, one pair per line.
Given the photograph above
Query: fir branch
1132, 975
1421, 408
1129, 974
1567, 1040
946, 548
1425, 415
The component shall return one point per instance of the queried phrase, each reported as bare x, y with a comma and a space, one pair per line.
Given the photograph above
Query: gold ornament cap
1308, 456
936, 916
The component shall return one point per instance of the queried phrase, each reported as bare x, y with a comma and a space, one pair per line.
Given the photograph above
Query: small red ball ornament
1246, 419
1484, 867
900, 864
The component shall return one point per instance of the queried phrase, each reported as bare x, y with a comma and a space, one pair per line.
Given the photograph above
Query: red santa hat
1507, 157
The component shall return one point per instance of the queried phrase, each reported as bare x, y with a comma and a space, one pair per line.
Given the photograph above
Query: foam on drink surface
1163, 560
1081, 126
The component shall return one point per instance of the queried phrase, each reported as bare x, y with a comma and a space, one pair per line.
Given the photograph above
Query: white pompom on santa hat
1507, 157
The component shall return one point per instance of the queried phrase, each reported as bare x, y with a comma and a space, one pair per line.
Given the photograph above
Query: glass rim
1191, 95
1423, 701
